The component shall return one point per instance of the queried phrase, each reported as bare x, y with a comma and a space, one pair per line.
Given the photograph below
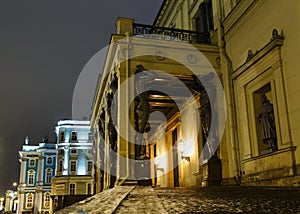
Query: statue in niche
267, 121
101, 123
114, 83
112, 132
207, 108
141, 109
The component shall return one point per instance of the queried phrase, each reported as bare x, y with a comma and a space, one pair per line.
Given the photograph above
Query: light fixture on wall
181, 149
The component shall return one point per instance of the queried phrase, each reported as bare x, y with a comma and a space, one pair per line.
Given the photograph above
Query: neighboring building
74, 167
253, 45
11, 201
36, 171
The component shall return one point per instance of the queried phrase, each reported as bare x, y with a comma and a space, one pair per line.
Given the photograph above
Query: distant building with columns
36, 171
73, 179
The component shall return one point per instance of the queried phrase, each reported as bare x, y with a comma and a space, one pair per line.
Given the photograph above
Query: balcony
171, 34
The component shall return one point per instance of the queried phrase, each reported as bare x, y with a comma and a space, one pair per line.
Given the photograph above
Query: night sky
43, 47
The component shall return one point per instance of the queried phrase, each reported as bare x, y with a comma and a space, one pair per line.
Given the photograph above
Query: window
89, 189
49, 160
60, 166
61, 152
73, 151
72, 189
90, 166
31, 163
31, 175
74, 136
73, 166
29, 200
47, 200
204, 19
62, 136
48, 176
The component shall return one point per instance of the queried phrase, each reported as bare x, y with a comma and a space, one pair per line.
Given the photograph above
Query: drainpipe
228, 87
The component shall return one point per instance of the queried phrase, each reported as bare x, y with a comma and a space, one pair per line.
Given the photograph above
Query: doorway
175, 158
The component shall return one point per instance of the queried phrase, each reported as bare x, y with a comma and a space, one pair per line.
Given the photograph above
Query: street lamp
1, 203
15, 184
182, 150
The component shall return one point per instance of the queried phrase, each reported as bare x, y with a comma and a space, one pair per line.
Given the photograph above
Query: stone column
23, 171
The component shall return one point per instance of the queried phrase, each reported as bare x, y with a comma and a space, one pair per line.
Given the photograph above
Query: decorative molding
191, 58
276, 42
237, 13
159, 55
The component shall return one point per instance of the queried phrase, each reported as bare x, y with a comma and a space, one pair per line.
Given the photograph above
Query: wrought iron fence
170, 33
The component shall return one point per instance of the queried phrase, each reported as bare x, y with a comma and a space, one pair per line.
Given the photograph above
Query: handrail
171, 33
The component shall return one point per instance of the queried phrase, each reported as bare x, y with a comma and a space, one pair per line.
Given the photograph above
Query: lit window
48, 176
47, 200
60, 166
62, 136
29, 200
72, 189
31, 163
73, 166
31, 175
49, 160
89, 189
74, 136
90, 166
73, 151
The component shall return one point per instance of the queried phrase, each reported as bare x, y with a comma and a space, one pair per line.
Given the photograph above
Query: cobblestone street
191, 200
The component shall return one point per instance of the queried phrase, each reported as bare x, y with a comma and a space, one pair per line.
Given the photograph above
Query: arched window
72, 189
31, 177
47, 199
29, 200
48, 176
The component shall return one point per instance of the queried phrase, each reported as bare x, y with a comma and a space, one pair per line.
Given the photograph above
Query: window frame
29, 200
48, 197
72, 189
89, 163
60, 166
47, 160
48, 176
73, 163
61, 136
30, 177
73, 153
74, 136
89, 189
30, 162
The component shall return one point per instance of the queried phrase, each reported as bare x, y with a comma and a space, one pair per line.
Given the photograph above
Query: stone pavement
223, 199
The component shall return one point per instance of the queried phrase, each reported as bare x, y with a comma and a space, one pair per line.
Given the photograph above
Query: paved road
211, 200
191, 200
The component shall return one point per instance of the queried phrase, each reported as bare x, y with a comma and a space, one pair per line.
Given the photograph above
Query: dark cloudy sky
43, 47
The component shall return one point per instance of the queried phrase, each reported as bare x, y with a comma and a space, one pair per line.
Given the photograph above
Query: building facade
10, 202
74, 167
252, 46
36, 171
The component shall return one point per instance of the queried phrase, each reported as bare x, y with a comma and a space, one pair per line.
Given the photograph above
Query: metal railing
171, 33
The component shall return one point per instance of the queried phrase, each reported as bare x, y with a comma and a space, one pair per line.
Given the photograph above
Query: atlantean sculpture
267, 121
207, 108
141, 109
